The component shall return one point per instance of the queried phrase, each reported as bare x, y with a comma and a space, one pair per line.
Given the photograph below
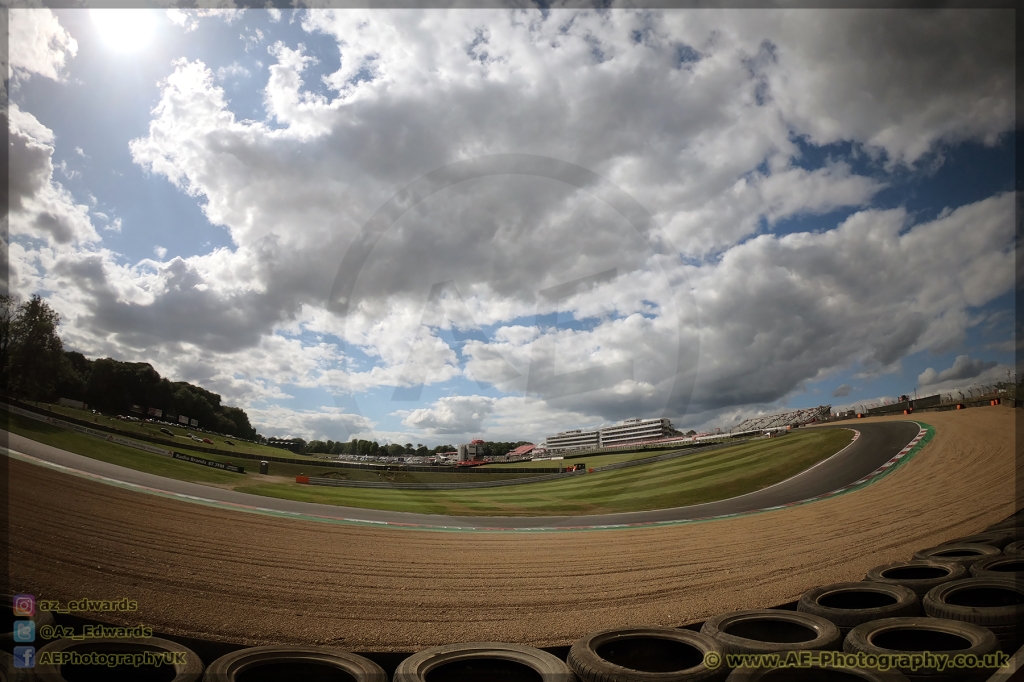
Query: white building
629, 431
576, 439
636, 430
469, 452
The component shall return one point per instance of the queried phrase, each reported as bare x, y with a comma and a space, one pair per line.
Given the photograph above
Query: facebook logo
24, 657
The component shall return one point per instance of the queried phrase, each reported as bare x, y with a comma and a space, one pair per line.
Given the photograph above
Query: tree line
374, 449
35, 366
370, 447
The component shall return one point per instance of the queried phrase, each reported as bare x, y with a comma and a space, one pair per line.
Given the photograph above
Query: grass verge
702, 477
93, 447
694, 479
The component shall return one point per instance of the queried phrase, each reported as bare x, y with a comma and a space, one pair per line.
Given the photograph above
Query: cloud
188, 19
509, 419
182, 18
39, 45
39, 206
842, 391
453, 415
711, 145
160, 251
864, 75
778, 312
325, 422
963, 368
231, 70
114, 226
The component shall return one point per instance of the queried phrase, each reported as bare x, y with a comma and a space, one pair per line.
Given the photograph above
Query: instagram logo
24, 605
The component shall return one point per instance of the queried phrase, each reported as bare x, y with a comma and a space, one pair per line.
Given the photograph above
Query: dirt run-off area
219, 574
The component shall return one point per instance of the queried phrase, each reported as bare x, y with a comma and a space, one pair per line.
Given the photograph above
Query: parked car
206, 440
227, 442
167, 431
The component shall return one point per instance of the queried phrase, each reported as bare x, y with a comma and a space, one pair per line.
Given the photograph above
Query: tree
73, 381
34, 350
8, 311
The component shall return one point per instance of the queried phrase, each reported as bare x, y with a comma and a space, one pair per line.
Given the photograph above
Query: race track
209, 572
877, 443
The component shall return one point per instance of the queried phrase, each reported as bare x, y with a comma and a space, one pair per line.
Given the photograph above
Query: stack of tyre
960, 602
963, 598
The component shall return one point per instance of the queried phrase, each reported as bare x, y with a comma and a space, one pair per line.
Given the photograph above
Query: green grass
116, 454
590, 461
695, 479
417, 477
139, 460
129, 429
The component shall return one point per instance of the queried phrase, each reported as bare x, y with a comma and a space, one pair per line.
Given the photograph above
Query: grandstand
807, 415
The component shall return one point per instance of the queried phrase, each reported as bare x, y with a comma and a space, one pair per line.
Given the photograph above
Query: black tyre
1006, 567
1014, 549
965, 553
40, 618
188, 667
850, 604
993, 603
307, 663
996, 538
919, 575
1011, 523
472, 661
766, 630
647, 655
818, 671
918, 635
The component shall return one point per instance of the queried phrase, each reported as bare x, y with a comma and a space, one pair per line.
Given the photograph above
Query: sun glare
124, 30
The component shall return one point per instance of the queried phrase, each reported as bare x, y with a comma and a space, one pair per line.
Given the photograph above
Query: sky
435, 225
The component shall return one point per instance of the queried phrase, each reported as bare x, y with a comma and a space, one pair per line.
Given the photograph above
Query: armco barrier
89, 431
120, 440
336, 483
225, 466
314, 462
333, 482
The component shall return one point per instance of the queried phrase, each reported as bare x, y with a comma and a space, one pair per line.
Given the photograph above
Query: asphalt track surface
878, 442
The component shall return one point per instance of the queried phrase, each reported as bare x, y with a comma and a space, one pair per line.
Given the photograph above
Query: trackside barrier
89, 431
35, 412
102, 431
208, 462
337, 483
127, 442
